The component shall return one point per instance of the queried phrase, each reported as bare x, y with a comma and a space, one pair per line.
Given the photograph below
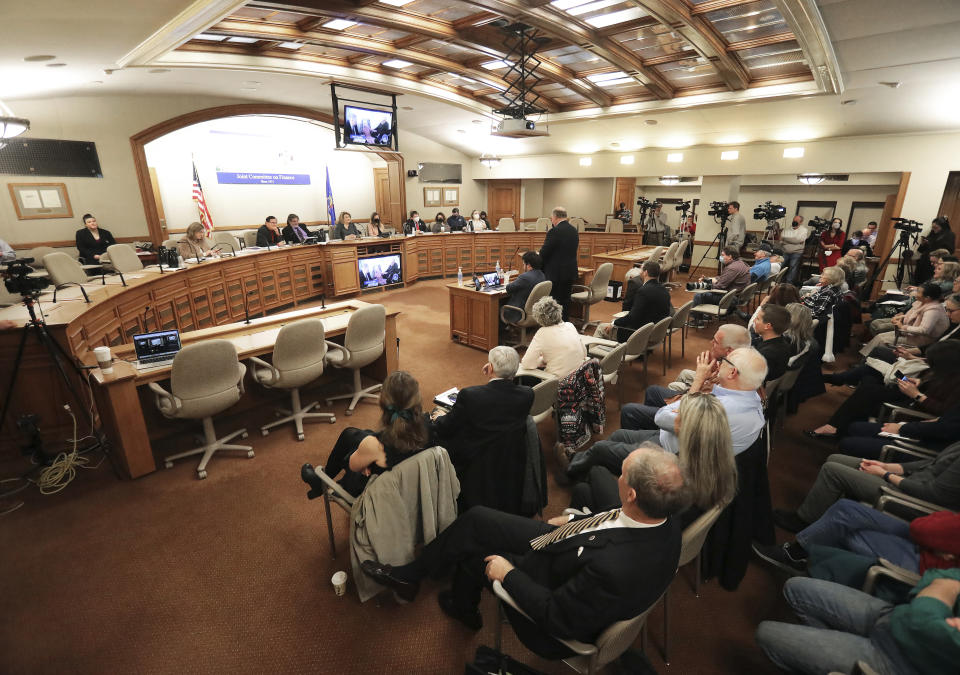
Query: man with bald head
573, 576
737, 376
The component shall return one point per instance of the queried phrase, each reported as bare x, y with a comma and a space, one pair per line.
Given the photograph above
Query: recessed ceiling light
158, 70
792, 153
849, 101
892, 85
396, 3
586, 161
614, 144
396, 63
477, 121
591, 7
811, 178
604, 77
728, 155
56, 65
208, 36
613, 18
669, 180
626, 159
406, 107
36, 58
243, 40
651, 123
674, 157
339, 24
290, 45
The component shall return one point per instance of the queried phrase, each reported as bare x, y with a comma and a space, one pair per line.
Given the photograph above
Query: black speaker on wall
411, 173
49, 157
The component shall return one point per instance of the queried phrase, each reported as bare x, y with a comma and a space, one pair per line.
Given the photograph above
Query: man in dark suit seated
559, 253
269, 234
294, 232
647, 301
573, 577
485, 435
519, 289
770, 324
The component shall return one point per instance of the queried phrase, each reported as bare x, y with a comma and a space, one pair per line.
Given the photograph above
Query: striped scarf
574, 527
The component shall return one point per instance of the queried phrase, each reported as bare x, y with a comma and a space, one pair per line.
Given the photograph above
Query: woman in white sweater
556, 346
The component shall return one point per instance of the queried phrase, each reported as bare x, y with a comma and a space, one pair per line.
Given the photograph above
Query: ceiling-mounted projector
522, 128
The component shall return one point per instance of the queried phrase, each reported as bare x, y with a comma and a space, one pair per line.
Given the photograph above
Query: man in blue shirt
761, 266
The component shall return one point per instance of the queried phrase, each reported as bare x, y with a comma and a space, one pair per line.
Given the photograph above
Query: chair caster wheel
299, 437
244, 435
168, 465
249, 454
201, 475
348, 413
333, 420
265, 432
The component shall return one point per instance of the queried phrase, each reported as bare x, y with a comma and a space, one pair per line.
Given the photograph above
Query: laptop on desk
155, 350
491, 283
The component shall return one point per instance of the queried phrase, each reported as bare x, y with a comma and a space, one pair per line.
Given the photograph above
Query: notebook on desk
155, 350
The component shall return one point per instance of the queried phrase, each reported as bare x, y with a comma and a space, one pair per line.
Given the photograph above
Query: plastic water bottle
499, 269
459, 276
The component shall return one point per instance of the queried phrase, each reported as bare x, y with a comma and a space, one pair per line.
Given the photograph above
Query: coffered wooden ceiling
596, 53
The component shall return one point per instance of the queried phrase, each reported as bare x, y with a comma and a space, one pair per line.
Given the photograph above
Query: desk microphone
226, 243
145, 310
71, 283
122, 280
323, 301
246, 309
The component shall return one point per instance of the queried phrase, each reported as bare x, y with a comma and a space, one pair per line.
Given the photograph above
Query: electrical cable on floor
63, 469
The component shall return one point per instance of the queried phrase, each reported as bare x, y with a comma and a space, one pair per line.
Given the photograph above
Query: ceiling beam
635, 24
761, 42
473, 39
565, 27
362, 45
806, 22
713, 5
702, 36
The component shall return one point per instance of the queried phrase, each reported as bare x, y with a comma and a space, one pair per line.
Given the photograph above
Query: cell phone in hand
899, 375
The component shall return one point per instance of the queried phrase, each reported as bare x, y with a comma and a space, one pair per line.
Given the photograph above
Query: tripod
720, 240
37, 326
903, 245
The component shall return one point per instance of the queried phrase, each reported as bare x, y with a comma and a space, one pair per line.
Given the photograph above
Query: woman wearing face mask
373, 227
486, 221
439, 224
831, 243
476, 224
414, 225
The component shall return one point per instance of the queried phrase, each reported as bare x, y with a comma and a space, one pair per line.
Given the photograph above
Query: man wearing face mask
414, 225
456, 222
735, 275
736, 226
857, 240
794, 240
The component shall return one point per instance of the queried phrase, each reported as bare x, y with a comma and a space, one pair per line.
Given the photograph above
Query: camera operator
657, 227
735, 276
940, 236
794, 241
737, 226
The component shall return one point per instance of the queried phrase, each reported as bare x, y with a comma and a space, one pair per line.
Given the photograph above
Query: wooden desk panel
474, 316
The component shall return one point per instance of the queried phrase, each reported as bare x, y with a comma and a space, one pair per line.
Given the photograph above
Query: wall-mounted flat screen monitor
382, 270
365, 126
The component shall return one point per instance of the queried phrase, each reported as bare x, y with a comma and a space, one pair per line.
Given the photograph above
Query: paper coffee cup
339, 582
104, 359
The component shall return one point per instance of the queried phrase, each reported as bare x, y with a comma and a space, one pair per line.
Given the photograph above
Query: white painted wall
587, 198
473, 193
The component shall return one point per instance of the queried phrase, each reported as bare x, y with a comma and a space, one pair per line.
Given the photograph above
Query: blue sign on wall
250, 178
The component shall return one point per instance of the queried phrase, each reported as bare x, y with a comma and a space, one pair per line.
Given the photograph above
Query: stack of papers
447, 398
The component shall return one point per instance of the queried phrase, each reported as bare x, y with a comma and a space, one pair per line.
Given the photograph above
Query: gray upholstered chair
362, 345
594, 293
679, 324
123, 259
658, 338
544, 393
614, 225
578, 223
610, 368
249, 237
38, 254
170, 243
670, 260
587, 658
298, 357
710, 310
506, 225
522, 317
542, 224
655, 254
226, 238
206, 379
634, 348
64, 271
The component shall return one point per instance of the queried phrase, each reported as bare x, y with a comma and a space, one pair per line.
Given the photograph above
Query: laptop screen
491, 279
162, 343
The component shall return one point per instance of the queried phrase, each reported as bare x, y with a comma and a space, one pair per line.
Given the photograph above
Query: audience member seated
456, 222
295, 232
374, 227
414, 225
706, 458
859, 266
735, 276
92, 241
761, 266
934, 480
862, 439
625, 559
822, 301
519, 289
485, 434
922, 324
647, 301
945, 273
195, 244
268, 234
800, 332
345, 229
934, 391
928, 542
738, 376
556, 346
781, 294
728, 337
857, 242
486, 221
476, 223
771, 323
890, 354
360, 453
439, 224
846, 625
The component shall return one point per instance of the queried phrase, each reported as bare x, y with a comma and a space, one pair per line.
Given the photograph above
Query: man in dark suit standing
485, 435
559, 253
519, 289
647, 301
573, 577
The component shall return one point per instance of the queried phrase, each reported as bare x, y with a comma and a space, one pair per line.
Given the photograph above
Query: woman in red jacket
831, 241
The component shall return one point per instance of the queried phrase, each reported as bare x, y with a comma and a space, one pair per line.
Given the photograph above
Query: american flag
205, 218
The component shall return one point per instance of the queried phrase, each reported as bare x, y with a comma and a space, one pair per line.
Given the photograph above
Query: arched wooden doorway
395, 172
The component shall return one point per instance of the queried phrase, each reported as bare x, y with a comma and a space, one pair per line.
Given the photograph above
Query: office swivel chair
298, 358
37, 254
123, 258
507, 225
614, 225
249, 237
362, 345
226, 238
206, 379
522, 318
594, 293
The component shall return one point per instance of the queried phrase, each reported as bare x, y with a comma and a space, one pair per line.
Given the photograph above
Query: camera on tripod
17, 280
645, 203
906, 225
818, 224
684, 206
718, 209
699, 285
769, 211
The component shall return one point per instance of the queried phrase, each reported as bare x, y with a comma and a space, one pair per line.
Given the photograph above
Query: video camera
907, 225
645, 203
16, 278
818, 224
769, 211
684, 206
718, 209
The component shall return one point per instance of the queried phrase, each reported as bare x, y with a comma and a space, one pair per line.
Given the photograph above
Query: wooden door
862, 213
159, 233
624, 191
381, 190
503, 201
950, 204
